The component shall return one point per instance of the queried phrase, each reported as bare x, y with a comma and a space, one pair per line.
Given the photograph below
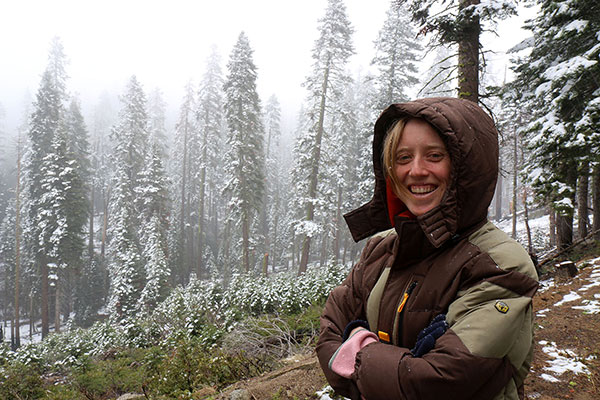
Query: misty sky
166, 43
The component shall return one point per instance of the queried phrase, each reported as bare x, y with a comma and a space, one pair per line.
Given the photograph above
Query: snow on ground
568, 298
545, 285
560, 361
326, 393
539, 230
564, 360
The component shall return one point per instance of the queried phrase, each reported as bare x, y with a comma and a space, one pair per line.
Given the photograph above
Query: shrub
21, 381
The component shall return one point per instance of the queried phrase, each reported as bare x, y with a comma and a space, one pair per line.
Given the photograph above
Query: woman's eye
437, 156
403, 158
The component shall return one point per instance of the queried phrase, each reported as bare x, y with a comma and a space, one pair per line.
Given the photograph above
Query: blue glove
428, 336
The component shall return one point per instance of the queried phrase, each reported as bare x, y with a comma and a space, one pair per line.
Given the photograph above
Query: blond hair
390, 144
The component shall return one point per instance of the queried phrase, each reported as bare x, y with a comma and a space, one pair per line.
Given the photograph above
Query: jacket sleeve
344, 305
489, 340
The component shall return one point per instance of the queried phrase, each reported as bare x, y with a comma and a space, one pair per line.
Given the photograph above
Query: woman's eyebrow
427, 147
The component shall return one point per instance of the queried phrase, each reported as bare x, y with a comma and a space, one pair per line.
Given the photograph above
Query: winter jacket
454, 260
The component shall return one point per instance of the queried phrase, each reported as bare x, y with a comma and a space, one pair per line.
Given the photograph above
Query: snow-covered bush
203, 310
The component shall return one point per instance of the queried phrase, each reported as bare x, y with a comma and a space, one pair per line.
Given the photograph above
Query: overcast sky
166, 43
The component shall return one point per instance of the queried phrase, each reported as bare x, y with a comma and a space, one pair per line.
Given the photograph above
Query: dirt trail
566, 362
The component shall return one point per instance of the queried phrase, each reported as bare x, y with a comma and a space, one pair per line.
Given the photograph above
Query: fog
166, 44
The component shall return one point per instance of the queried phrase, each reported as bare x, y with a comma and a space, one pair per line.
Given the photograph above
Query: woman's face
422, 166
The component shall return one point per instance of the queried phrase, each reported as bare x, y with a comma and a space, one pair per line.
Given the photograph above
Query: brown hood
472, 142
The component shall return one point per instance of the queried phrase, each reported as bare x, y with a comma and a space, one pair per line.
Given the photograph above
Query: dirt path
566, 361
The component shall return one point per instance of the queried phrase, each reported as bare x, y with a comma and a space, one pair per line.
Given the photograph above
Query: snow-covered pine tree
153, 192
8, 262
326, 83
360, 181
4, 166
181, 248
157, 109
460, 22
245, 158
53, 218
46, 120
271, 210
157, 268
104, 117
130, 137
77, 198
208, 167
397, 51
560, 76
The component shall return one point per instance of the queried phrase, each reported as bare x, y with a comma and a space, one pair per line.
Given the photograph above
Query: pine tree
156, 121
77, 199
397, 51
157, 269
245, 155
560, 76
181, 159
460, 22
209, 166
331, 52
46, 121
155, 211
130, 136
270, 213
8, 262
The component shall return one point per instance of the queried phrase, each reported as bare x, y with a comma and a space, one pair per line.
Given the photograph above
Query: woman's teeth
422, 189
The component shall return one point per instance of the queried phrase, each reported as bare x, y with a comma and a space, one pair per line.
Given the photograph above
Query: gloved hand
428, 336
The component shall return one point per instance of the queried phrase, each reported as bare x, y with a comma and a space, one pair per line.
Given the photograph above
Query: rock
566, 269
239, 394
131, 396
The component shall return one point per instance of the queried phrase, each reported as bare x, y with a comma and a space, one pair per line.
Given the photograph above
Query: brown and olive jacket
450, 260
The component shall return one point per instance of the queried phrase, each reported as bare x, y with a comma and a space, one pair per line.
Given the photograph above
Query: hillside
566, 361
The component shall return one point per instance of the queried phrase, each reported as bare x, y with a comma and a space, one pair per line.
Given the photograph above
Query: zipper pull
406, 295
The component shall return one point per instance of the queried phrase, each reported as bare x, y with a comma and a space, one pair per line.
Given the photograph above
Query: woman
439, 304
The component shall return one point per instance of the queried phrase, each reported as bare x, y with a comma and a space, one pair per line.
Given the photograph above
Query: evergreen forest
169, 243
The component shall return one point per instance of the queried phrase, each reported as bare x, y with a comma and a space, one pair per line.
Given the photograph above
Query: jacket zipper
399, 312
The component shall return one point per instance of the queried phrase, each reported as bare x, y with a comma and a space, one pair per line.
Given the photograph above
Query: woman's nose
419, 167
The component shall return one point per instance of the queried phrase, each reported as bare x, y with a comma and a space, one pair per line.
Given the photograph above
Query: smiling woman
440, 300
417, 163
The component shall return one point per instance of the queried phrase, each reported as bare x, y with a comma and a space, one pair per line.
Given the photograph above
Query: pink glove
342, 361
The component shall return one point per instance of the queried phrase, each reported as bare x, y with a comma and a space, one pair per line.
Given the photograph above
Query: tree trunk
316, 160
182, 217
45, 306
323, 257
552, 226
582, 201
338, 230
201, 202
226, 255
345, 250
57, 301
564, 228
498, 202
17, 334
31, 317
526, 215
468, 55
596, 200
246, 243
104, 223
265, 265
91, 228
